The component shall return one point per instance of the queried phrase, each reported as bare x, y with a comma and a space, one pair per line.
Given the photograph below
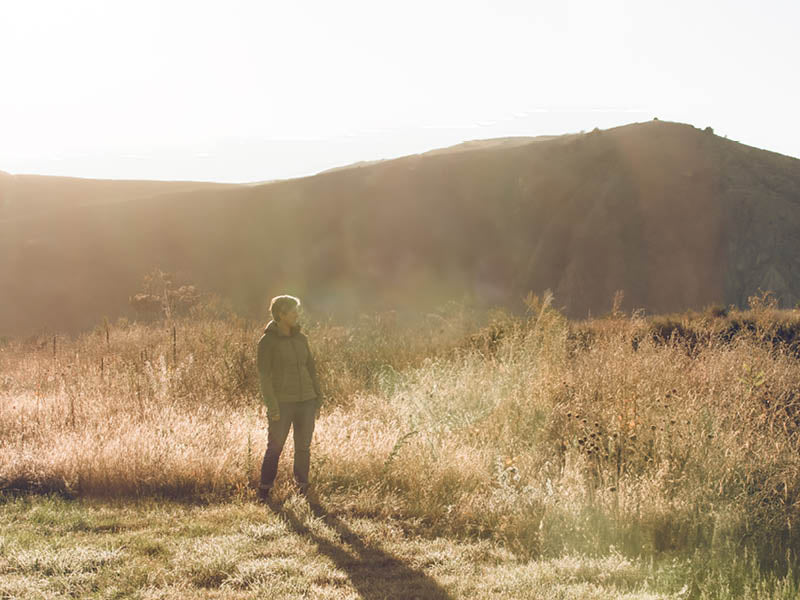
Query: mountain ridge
25, 194
674, 216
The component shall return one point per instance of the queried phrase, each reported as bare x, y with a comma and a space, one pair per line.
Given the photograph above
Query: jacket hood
272, 329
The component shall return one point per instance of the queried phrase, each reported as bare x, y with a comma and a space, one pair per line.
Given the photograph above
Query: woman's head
285, 309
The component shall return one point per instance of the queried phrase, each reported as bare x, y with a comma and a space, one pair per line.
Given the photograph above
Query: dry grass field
528, 457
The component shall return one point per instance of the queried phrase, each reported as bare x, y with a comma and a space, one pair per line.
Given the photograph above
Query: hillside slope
29, 194
674, 216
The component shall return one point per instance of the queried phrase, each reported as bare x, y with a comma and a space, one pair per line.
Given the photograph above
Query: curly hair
281, 304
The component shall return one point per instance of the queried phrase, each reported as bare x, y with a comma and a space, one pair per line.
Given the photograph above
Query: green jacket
286, 368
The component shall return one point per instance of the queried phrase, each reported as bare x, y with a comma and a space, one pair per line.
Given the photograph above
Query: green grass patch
298, 550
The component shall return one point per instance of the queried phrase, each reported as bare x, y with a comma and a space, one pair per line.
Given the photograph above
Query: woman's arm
312, 370
265, 378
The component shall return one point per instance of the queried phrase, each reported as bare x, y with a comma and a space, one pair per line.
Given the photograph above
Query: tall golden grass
549, 435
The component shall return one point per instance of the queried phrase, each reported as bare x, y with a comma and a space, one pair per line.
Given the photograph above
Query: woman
290, 390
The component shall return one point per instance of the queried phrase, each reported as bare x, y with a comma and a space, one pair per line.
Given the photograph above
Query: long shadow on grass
374, 573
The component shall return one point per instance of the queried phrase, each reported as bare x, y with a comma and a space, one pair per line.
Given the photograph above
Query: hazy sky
257, 90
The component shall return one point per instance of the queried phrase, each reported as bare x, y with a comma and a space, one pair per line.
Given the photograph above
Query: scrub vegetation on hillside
675, 216
651, 437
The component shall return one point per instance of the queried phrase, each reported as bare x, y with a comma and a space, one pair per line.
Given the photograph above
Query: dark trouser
300, 416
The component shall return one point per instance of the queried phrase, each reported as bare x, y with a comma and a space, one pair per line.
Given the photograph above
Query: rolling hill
675, 216
22, 195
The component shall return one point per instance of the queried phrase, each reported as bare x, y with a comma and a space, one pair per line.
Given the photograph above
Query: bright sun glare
251, 90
